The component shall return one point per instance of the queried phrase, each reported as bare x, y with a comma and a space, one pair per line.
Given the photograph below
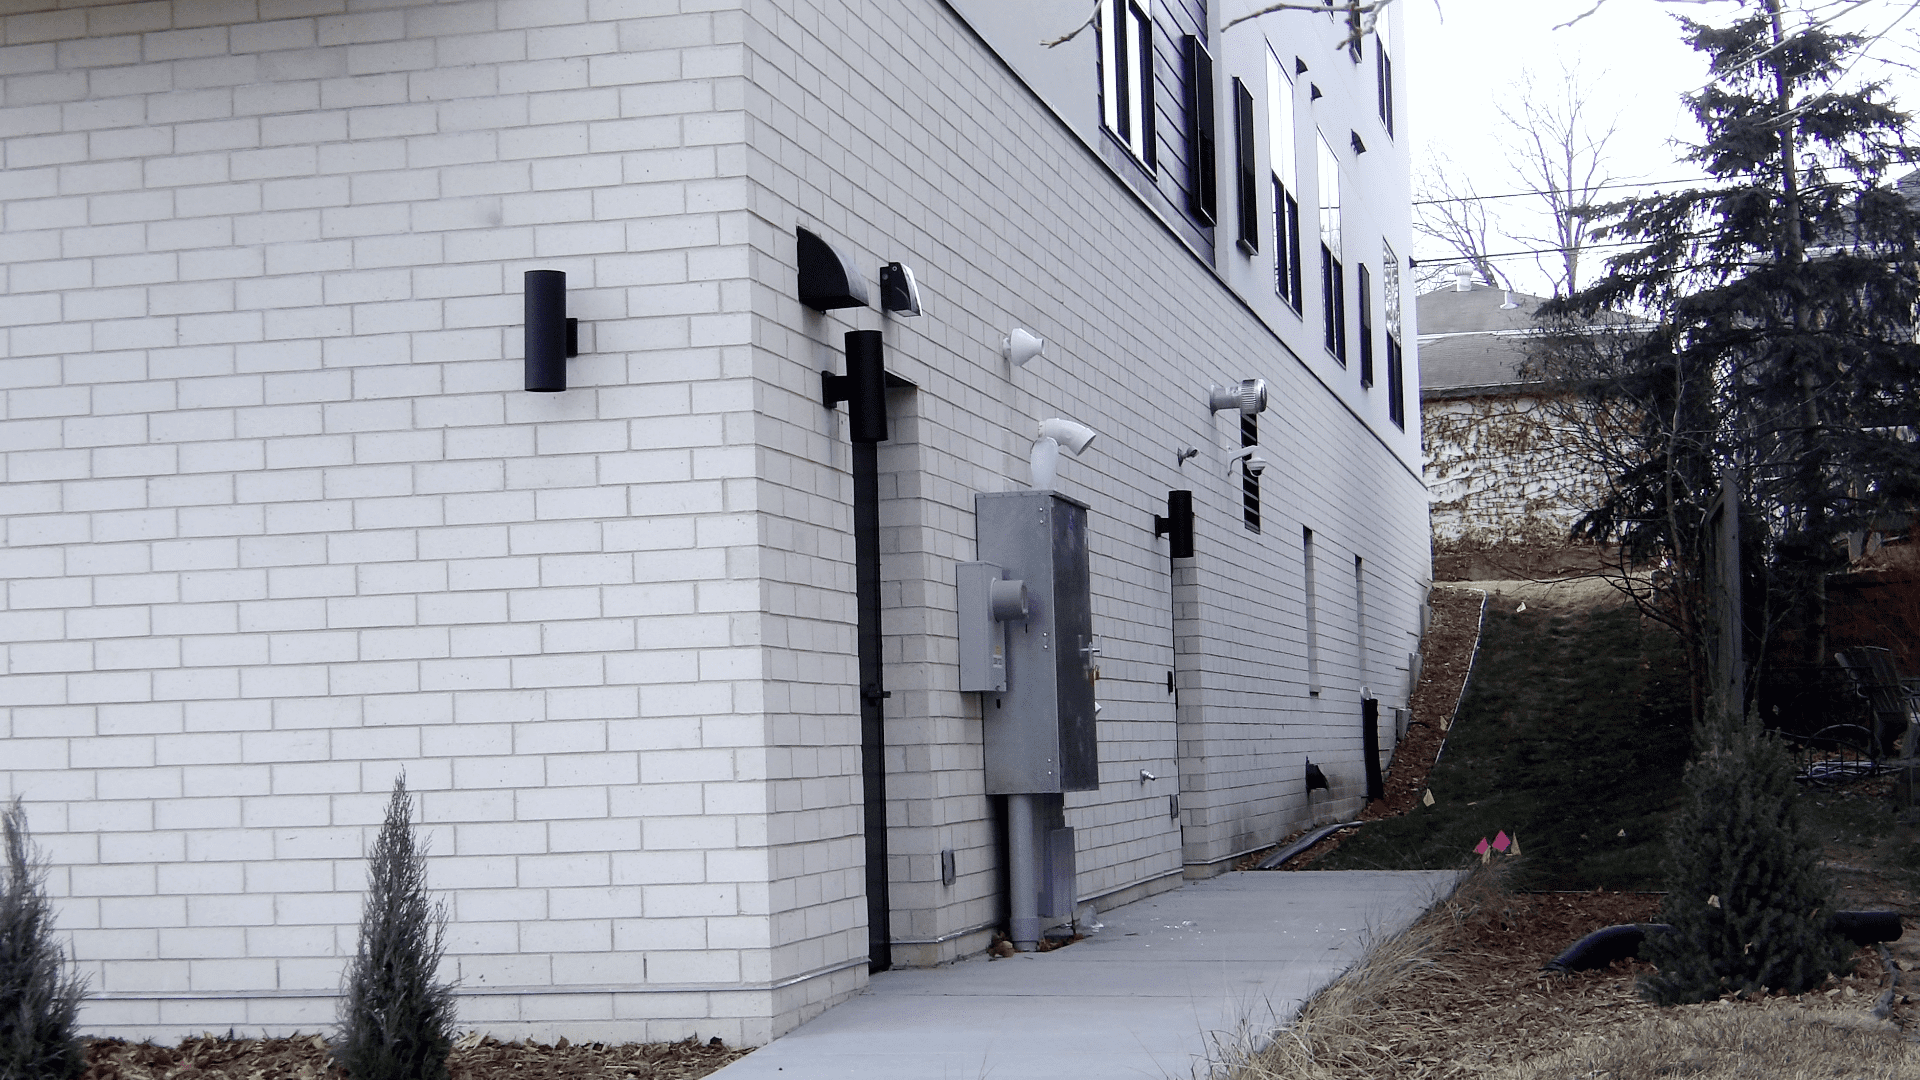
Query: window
1396, 377
1249, 483
1333, 284
1286, 203
1363, 285
1247, 194
1383, 73
1360, 619
1313, 613
1202, 182
1126, 74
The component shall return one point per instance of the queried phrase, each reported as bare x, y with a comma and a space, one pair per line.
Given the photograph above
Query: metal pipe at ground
1023, 885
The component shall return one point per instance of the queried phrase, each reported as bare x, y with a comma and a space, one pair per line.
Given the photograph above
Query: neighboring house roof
1472, 342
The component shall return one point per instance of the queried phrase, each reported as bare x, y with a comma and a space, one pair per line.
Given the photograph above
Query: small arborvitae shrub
39, 994
396, 1022
1748, 901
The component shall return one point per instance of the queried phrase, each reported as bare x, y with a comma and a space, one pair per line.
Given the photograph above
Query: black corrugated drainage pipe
1604, 946
1279, 858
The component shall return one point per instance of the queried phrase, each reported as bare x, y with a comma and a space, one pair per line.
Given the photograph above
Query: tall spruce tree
1746, 895
1773, 315
39, 994
396, 1021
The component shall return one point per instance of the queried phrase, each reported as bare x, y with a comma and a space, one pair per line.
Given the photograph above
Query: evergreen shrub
39, 994
396, 1022
1747, 898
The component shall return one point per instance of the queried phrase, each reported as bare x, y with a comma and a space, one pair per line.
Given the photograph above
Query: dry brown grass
1379, 1019
1460, 994
1726, 1041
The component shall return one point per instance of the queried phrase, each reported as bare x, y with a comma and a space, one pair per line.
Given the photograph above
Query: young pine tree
39, 995
396, 1022
1747, 899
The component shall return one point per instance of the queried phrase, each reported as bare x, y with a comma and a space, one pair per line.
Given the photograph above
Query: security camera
1254, 462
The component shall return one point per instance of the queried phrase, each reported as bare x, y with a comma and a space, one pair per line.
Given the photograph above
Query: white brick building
280, 520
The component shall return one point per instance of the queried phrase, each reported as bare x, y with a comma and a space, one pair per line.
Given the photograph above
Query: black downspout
867, 419
1370, 747
873, 743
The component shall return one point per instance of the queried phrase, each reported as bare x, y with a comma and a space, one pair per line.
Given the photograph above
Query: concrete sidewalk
1154, 995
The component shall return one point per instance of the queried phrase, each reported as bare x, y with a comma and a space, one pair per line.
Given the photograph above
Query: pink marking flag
1481, 848
1500, 842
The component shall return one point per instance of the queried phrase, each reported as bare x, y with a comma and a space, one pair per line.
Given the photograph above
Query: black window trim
1203, 181
1245, 185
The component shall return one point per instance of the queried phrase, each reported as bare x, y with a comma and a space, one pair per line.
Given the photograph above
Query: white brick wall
279, 522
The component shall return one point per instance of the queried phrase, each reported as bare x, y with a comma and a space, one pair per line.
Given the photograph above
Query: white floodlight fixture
1249, 398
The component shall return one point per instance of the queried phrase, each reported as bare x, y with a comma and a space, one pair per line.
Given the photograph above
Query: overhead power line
1526, 194
1527, 252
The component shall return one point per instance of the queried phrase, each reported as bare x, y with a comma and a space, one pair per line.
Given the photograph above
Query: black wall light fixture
899, 293
1177, 525
863, 387
828, 279
551, 337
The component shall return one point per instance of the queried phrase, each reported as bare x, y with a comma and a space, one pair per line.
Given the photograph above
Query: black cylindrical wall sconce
867, 378
863, 387
551, 336
1177, 526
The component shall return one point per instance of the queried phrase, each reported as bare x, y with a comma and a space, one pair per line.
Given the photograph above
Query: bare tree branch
1555, 149
1449, 212
1075, 32
1361, 15
1597, 4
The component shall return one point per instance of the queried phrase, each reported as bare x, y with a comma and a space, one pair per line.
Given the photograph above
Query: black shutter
1365, 280
1244, 180
1386, 91
1396, 385
1148, 151
1203, 181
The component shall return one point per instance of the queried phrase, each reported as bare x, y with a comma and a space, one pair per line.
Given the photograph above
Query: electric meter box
1040, 735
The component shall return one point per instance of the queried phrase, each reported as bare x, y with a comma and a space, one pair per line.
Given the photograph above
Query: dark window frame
1133, 71
1246, 187
1383, 71
1286, 246
1203, 180
1333, 300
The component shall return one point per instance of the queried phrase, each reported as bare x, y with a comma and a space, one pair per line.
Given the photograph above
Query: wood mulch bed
304, 1057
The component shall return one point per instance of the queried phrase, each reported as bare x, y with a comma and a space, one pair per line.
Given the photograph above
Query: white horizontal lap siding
280, 522
891, 131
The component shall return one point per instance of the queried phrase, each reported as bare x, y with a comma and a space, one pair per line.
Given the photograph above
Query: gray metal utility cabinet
1038, 709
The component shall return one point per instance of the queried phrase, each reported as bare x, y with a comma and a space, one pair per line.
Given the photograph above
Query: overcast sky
1463, 56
